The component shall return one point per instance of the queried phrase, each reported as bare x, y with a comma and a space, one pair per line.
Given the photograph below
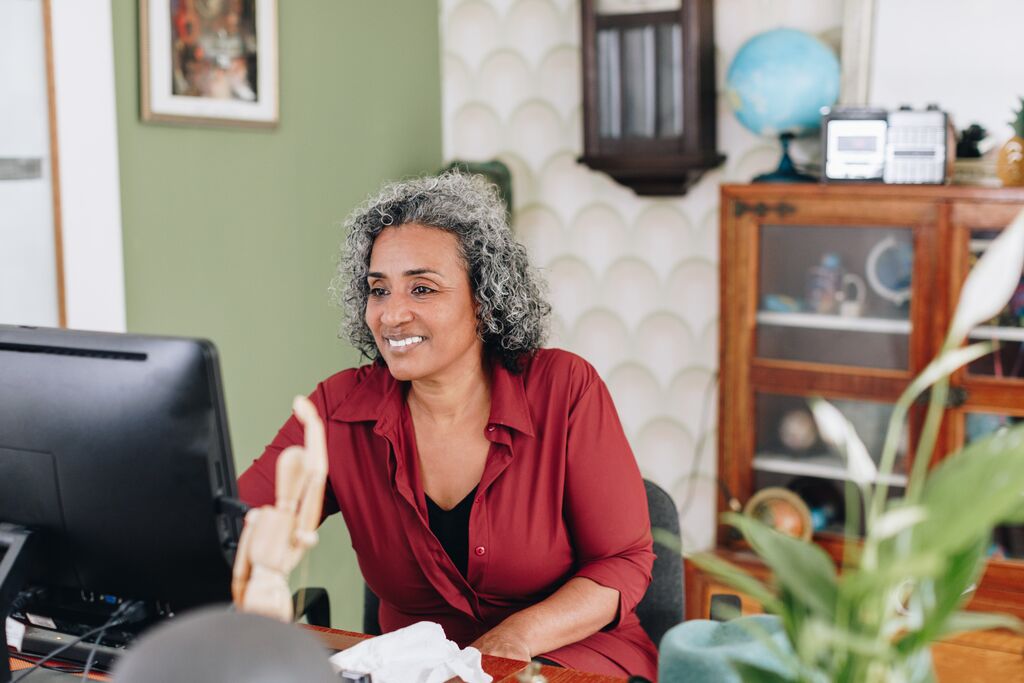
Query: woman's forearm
578, 609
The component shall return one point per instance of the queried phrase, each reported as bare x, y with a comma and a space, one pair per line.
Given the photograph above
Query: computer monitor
115, 455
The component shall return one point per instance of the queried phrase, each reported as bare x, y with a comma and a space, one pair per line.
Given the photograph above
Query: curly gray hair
512, 315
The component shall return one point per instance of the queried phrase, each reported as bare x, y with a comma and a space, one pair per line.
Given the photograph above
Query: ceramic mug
851, 296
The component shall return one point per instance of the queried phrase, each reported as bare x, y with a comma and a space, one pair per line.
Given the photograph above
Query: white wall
965, 57
634, 282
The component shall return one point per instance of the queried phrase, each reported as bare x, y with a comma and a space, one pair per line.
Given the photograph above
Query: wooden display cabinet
845, 292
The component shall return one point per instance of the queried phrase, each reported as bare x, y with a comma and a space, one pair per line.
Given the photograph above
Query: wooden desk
992, 656
987, 657
503, 670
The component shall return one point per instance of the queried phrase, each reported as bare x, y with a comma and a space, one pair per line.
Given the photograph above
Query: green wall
231, 234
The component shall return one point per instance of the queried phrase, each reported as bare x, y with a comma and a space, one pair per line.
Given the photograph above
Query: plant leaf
992, 469
802, 569
946, 593
898, 520
961, 622
737, 578
837, 431
945, 364
1016, 516
991, 282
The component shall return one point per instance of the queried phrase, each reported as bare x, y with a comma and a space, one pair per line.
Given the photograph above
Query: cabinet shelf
988, 332
821, 321
823, 466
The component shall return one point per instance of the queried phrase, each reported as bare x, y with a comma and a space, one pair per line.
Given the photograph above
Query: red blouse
560, 497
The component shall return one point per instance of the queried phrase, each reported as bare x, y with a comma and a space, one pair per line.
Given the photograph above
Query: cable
703, 432
127, 611
92, 653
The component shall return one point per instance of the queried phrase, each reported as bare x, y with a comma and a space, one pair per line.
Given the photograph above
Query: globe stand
786, 172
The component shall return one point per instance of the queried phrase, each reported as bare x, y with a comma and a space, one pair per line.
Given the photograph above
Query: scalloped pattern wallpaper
633, 281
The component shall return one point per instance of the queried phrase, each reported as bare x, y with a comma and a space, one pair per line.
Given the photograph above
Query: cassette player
853, 139
906, 146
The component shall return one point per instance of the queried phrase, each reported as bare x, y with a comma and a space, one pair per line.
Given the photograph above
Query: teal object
779, 81
701, 651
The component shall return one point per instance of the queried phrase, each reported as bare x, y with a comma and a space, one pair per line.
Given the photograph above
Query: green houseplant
905, 584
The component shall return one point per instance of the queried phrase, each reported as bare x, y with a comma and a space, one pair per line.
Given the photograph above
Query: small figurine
969, 144
275, 537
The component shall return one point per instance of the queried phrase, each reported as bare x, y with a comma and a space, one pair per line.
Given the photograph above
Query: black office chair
662, 604
314, 604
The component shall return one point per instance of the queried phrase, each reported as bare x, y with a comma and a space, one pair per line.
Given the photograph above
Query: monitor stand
13, 559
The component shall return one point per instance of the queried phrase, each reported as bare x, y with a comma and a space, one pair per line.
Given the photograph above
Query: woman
486, 483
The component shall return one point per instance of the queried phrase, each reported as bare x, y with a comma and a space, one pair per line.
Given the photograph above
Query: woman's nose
396, 311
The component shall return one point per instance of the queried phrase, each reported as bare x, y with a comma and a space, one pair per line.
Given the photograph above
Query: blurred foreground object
212, 644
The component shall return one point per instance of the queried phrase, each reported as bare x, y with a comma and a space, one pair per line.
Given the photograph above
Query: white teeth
394, 343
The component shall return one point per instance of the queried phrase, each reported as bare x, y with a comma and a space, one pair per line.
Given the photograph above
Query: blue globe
779, 81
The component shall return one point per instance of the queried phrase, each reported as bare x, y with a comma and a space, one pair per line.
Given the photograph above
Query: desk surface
968, 658
503, 670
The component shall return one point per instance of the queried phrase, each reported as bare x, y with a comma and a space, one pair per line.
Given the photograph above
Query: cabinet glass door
836, 295
1006, 329
790, 453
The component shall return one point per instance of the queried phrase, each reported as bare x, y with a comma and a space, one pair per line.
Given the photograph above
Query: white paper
37, 620
415, 654
15, 633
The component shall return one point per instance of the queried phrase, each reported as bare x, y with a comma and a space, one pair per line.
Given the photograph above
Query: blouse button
480, 551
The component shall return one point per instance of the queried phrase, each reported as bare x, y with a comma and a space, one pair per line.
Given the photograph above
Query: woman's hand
578, 609
502, 641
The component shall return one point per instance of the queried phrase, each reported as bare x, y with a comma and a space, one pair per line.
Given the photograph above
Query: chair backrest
371, 609
662, 604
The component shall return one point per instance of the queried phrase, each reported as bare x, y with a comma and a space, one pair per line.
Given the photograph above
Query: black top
452, 529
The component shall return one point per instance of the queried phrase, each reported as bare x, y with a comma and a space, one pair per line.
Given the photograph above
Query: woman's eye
378, 291
421, 289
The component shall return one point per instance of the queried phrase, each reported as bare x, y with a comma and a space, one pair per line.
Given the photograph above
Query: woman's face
421, 309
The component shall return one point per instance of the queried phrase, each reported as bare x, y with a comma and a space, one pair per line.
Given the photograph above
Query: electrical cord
126, 612
704, 430
92, 653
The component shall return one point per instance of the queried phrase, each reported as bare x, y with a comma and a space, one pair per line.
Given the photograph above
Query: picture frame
209, 62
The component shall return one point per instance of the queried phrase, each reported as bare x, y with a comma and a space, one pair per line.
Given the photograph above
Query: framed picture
209, 62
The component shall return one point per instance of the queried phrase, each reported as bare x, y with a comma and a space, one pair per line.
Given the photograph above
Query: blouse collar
380, 398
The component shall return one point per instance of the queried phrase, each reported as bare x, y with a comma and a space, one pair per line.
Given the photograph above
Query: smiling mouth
403, 343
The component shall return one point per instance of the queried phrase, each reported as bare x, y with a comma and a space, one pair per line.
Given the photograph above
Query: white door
29, 288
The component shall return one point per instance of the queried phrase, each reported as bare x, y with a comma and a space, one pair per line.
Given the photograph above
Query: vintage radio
920, 146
